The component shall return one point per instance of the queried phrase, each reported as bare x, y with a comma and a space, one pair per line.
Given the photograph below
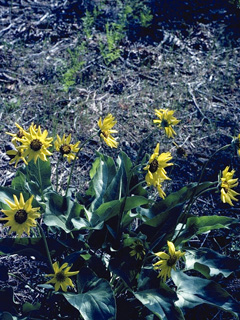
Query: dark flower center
181, 152
36, 145
65, 149
171, 261
105, 134
60, 276
225, 186
139, 248
20, 134
164, 123
153, 166
20, 216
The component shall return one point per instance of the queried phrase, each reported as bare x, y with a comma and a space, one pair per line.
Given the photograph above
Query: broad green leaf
159, 234
160, 302
135, 202
60, 211
214, 262
112, 208
20, 182
166, 214
175, 199
102, 175
30, 246
28, 307
96, 300
6, 316
118, 186
109, 181
40, 173
33, 178
128, 217
7, 193
199, 225
108, 209
193, 291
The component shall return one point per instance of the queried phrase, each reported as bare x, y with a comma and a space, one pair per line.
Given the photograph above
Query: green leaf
109, 181
112, 208
7, 194
28, 307
199, 225
118, 186
20, 182
27, 178
45, 170
29, 246
160, 302
61, 210
214, 262
96, 300
102, 174
175, 199
6, 316
193, 291
164, 216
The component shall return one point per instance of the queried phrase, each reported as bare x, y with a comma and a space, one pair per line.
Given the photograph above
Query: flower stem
57, 173
45, 244
23, 281
207, 162
74, 161
40, 179
136, 185
193, 198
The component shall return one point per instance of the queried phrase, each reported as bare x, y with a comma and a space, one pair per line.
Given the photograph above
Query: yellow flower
227, 194
19, 135
156, 170
137, 249
168, 261
35, 144
16, 154
66, 148
61, 276
166, 121
21, 216
106, 130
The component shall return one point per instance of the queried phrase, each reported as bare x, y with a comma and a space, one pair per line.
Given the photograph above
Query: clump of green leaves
110, 50
130, 14
110, 235
73, 67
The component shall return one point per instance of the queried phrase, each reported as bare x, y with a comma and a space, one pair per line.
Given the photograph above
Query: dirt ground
188, 60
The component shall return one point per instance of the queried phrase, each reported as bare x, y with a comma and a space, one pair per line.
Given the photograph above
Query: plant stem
45, 244
24, 281
40, 179
75, 159
136, 185
57, 173
144, 140
192, 199
207, 162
